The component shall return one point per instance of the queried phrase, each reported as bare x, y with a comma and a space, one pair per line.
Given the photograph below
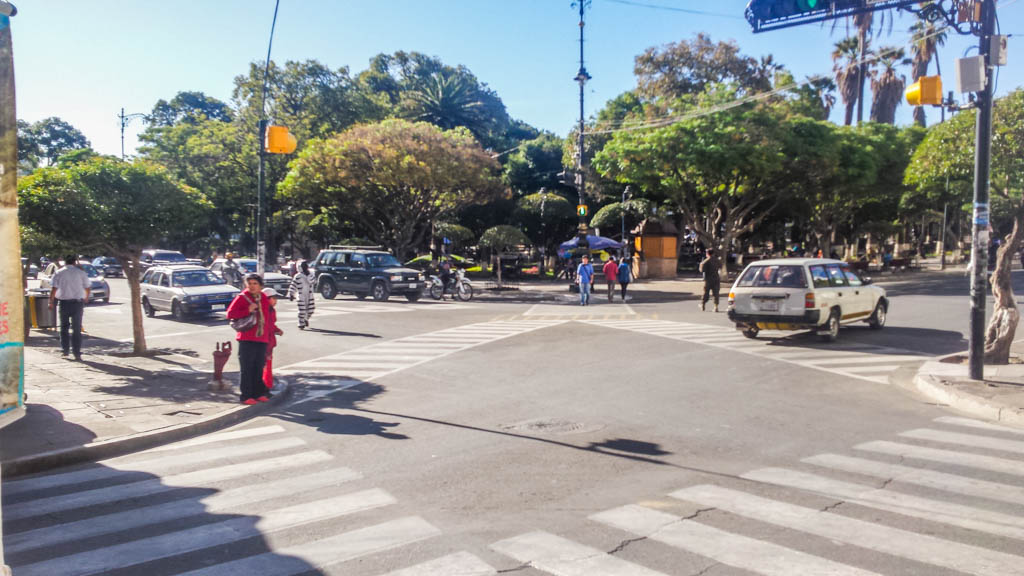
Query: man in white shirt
70, 285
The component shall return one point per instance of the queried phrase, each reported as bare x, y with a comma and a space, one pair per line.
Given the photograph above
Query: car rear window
777, 276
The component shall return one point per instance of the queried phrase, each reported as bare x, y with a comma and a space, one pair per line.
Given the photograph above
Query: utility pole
12, 318
261, 138
125, 119
581, 78
982, 162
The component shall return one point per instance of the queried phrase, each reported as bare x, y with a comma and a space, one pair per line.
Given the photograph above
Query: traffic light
927, 91
280, 140
772, 9
581, 210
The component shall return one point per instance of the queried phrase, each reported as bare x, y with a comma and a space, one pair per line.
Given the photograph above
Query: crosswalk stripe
863, 359
302, 558
197, 479
135, 518
724, 547
991, 463
555, 555
411, 344
386, 363
101, 560
971, 423
220, 437
457, 564
127, 465
971, 440
878, 537
899, 503
921, 477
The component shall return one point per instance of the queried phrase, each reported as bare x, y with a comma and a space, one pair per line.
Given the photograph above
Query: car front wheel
148, 308
178, 311
327, 290
830, 331
379, 290
877, 320
751, 332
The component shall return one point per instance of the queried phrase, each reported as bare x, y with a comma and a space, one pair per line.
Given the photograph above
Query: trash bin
37, 310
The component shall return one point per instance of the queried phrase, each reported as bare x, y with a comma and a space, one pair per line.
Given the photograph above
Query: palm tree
847, 73
863, 24
448, 101
886, 85
925, 42
825, 88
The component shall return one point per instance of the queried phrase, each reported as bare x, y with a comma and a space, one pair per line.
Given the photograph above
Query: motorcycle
459, 285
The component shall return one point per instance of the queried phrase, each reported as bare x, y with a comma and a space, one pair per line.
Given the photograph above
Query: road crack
832, 507
625, 543
519, 568
706, 568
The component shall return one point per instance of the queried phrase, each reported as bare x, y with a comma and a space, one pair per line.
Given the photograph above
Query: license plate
413, 285
768, 305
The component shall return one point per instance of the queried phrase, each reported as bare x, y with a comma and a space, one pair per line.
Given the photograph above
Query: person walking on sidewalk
272, 332
625, 274
70, 286
302, 288
231, 271
610, 271
585, 279
712, 282
252, 342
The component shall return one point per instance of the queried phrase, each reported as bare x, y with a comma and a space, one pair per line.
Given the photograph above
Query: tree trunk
1003, 325
133, 274
499, 268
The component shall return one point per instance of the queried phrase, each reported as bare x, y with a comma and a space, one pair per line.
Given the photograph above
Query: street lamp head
543, 192
582, 76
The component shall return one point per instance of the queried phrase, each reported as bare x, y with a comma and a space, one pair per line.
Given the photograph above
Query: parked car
158, 257
365, 272
33, 270
279, 282
184, 290
99, 290
816, 294
108, 266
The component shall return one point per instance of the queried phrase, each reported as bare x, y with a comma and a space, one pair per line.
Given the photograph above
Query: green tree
502, 239
535, 165
610, 216
926, 38
394, 178
188, 107
546, 219
28, 149
111, 207
718, 172
51, 137
847, 70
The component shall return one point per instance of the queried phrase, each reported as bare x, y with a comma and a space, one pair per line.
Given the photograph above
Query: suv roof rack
348, 247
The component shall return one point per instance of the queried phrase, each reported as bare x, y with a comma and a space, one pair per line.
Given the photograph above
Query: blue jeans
584, 293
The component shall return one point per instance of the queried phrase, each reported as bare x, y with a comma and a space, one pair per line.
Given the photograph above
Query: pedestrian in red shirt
611, 270
274, 332
252, 342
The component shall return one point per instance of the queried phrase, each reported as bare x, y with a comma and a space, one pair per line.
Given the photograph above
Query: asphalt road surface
633, 439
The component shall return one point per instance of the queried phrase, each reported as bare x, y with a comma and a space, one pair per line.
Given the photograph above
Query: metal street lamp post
581, 77
125, 119
626, 195
261, 216
543, 232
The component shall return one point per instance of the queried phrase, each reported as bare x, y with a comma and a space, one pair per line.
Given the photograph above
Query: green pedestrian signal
581, 210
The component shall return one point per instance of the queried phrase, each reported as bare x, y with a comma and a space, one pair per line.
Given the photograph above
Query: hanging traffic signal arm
765, 15
280, 140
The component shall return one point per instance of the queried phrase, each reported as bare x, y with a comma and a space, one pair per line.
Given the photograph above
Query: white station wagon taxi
804, 294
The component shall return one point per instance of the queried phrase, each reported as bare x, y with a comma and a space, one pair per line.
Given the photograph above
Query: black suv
364, 272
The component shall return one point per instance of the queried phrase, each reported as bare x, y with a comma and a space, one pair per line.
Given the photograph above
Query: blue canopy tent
596, 243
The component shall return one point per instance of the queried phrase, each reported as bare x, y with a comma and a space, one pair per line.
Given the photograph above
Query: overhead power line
675, 9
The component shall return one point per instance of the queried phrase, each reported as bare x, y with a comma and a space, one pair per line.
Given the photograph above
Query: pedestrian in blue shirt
625, 275
585, 279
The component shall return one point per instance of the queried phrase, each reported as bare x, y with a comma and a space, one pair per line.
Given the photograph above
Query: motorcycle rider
446, 275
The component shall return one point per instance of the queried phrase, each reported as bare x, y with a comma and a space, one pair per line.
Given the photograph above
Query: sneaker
250, 401
78, 357
262, 399
65, 353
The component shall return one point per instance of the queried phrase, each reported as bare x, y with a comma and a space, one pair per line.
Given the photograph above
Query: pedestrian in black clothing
712, 282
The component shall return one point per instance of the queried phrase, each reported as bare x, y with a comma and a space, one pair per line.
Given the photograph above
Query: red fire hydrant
220, 358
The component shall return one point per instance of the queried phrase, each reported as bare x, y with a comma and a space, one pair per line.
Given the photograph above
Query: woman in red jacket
252, 344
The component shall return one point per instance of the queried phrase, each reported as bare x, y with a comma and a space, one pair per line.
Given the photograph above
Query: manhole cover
551, 426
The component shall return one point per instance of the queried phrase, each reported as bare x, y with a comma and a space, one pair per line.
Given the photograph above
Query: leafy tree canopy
189, 107
47, 140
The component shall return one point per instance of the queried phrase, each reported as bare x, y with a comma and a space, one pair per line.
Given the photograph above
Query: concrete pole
12, 318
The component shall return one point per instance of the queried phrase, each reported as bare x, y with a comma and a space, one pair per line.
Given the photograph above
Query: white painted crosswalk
914, 533
386, 358
864, 362
195, 503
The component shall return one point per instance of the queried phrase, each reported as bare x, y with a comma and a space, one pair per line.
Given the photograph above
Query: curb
935, 389
144, 440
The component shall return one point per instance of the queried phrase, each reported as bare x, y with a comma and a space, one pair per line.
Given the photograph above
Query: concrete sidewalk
112, 403
1000, 397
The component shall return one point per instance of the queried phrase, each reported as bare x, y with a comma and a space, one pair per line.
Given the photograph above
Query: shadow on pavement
899, 338
340, 333
41, 429
333, 414
121, 523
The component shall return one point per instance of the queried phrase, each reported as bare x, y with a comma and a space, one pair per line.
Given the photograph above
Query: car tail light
809, 300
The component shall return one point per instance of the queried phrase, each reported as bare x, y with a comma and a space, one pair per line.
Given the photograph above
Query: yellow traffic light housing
280, 140
927, 91
581, 210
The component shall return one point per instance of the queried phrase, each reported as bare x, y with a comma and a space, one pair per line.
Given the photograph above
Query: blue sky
83, 61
